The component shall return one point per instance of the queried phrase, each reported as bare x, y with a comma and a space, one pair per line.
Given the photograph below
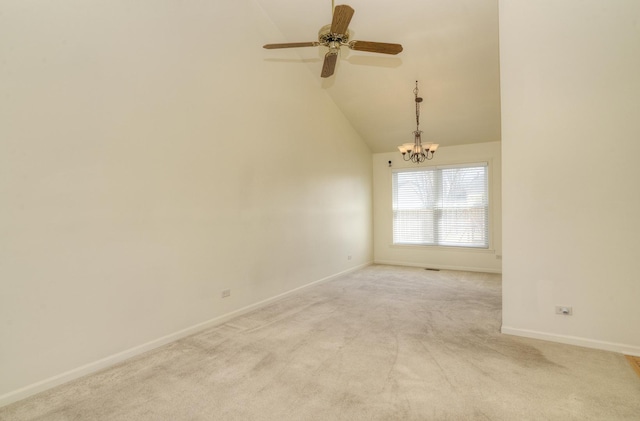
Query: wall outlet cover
564, 310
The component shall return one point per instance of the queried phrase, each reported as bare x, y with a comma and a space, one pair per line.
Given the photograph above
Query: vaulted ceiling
450, 47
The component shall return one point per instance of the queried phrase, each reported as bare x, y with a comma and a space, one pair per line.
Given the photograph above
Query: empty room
319, 210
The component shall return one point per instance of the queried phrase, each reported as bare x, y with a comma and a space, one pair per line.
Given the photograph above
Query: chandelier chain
415, 92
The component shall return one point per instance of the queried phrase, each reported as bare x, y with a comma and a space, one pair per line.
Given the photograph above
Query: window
442, 206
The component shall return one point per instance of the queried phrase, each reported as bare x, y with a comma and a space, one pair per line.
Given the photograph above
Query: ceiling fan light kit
336, 35
416, 151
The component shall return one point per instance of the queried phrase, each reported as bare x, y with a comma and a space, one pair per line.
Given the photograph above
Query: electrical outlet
226, 293
564, 310
349, 257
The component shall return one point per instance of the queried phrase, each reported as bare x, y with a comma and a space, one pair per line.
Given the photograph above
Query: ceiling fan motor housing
326, 37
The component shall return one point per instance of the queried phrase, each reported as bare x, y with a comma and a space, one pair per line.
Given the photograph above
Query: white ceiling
450, 47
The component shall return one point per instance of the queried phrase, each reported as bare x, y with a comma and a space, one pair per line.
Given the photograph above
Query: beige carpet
383, 343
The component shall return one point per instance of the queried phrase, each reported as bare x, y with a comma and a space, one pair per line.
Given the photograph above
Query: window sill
444, 248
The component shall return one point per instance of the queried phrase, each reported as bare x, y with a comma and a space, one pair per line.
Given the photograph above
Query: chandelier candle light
416, 151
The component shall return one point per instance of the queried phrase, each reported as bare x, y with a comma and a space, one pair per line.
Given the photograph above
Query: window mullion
437, 211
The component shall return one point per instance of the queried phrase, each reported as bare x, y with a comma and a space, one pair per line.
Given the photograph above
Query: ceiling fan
335, 36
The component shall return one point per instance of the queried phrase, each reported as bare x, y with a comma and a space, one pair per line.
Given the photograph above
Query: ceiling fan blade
291, 45
342, 15
375, 47
329, 66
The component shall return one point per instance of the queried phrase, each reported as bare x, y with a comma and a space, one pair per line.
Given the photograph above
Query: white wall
570, 82
437, 257
150, 158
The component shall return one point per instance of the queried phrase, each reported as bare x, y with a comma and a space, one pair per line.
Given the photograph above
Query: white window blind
443, 206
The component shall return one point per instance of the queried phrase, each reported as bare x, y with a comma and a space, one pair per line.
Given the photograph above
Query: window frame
489, 221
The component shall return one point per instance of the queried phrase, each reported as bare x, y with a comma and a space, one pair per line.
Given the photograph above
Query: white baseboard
442, 267
574, 340
111, 360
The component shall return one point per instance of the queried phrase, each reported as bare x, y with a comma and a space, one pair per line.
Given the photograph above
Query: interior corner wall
455, 258
570, 83
151, 156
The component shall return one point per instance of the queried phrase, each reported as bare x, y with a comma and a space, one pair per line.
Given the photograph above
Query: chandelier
416, 151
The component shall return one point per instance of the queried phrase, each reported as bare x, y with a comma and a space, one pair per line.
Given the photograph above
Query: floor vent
635, 363
435, 270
